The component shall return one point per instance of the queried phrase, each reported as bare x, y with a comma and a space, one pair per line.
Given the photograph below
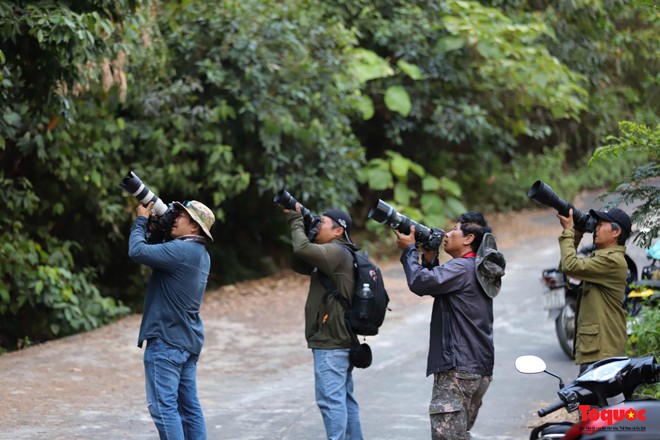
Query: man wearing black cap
325, 324
600, 318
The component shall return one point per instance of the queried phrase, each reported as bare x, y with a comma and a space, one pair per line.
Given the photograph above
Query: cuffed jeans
334, 394
171, 380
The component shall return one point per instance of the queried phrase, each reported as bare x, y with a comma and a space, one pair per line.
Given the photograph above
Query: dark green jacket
325, 324
600, 320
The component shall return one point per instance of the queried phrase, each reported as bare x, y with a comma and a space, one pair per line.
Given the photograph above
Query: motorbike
560, 293
603, 395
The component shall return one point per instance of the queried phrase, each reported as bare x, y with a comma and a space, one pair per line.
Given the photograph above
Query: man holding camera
461, 351
326, 330
600, 319
171, 324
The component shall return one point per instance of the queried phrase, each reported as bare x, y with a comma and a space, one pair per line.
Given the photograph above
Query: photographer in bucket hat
461, 350
600, 317
171, 324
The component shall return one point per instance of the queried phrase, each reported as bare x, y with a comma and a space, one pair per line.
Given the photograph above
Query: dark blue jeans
171, 379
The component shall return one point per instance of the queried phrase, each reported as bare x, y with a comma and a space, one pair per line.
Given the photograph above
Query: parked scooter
603, 396
560, 299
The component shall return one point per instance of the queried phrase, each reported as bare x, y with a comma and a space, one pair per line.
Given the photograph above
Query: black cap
343, 219
614, 215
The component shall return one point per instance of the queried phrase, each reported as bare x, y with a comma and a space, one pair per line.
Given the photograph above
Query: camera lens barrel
284, 199
387, 215
134, 186
543, 194
287, 201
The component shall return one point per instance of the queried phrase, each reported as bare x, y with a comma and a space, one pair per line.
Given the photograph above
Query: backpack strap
331, 290
329, 284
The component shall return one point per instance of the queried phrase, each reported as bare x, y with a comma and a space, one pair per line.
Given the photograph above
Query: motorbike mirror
530, 364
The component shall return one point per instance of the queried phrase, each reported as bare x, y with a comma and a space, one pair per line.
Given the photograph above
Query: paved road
260, 386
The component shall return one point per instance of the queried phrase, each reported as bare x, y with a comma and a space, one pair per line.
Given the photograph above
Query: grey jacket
462, 318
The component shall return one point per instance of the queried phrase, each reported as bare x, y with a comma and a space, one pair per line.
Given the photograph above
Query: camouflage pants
455, 403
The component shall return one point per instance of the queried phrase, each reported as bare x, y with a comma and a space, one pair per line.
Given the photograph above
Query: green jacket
600, 317
325, 322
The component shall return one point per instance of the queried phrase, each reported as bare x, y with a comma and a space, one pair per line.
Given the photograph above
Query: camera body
543, 194
312, 221
429, 238
159, 227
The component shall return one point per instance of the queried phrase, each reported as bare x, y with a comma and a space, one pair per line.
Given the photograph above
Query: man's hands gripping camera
430, 247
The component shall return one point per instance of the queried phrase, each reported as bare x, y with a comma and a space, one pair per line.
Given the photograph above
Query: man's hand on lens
298, 210
144, 211
403, 240
566, 222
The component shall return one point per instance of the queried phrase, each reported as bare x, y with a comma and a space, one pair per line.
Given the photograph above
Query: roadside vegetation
432, 106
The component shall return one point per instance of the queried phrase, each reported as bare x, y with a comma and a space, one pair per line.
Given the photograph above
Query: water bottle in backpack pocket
366, 302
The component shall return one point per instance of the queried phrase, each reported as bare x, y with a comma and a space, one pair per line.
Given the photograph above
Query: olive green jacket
325, 322
600, 317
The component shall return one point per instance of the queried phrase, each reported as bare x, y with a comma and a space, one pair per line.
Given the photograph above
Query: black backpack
366, 272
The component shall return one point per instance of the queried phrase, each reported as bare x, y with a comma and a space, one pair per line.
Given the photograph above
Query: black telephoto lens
312, 221
284, 199
543, 194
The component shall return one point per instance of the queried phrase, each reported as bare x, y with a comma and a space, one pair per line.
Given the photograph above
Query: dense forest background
433, 106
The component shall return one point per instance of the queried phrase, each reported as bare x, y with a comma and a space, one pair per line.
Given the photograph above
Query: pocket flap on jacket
589, 329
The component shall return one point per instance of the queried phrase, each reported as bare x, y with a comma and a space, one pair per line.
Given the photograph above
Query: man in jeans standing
171, 324
325, 325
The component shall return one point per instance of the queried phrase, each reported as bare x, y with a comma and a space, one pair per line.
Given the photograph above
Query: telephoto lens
312, 221
134, 186
159, 226
542, 193
386, 215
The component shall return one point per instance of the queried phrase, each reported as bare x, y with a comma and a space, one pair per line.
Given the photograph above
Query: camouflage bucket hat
200, 214
490, 265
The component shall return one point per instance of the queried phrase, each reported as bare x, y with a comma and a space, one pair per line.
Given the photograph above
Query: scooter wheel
565, 327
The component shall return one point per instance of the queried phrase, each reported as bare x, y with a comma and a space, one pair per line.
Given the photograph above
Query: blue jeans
334, 394
171, 379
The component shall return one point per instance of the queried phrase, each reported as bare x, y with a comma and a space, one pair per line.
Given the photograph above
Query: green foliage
485, 86
645, 341
614, 44
415, 193
277, 67
46, 288
514, 179
637, 188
